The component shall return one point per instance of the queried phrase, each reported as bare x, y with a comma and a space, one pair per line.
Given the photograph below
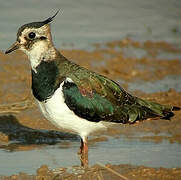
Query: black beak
13, 47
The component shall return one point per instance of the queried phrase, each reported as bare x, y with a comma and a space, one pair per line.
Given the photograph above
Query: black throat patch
45, 81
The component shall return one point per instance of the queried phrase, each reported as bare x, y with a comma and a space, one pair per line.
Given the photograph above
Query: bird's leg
84, 152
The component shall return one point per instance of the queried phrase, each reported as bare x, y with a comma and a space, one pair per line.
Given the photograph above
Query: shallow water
172, 81
83, 22
114, 151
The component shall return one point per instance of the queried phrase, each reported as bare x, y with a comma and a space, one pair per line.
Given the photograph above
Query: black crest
50, 18
36, 24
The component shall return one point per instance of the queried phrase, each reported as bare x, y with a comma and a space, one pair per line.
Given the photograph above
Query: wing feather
95, 100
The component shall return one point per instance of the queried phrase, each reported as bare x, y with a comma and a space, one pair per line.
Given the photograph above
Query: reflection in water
20, 135
31, 148
114, 151
78, 24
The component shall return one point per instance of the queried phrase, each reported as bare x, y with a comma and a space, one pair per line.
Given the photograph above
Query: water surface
83, 22
114, 151
80, 24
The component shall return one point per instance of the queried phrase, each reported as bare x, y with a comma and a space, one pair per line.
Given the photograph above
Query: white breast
56, 111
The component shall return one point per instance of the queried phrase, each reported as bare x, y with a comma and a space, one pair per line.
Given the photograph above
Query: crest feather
50, 18
36, 24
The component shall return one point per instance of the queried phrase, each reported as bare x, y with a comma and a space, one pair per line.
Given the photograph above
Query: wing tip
176, 108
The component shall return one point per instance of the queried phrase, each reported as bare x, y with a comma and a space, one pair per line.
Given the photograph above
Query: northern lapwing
73, 97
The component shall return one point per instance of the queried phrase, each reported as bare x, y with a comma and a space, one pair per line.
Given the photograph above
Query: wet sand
22, 122
101, 172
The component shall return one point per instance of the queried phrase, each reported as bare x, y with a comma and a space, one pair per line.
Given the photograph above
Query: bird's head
35, 35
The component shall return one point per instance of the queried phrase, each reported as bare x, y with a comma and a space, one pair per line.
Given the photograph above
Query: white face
37, 44
29, 34
31, 38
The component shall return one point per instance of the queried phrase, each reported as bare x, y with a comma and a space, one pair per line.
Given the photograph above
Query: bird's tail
146, 109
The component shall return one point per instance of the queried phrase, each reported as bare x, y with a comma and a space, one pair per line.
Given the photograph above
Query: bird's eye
31, 35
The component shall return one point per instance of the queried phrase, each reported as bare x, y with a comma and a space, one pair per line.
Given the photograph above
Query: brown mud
100, 172
20, 119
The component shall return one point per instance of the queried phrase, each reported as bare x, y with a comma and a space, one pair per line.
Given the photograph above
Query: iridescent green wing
96, 98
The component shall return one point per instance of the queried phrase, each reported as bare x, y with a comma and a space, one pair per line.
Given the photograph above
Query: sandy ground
20, 117
99, 172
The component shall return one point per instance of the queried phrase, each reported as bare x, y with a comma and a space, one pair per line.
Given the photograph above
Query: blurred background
137, 43
83, 22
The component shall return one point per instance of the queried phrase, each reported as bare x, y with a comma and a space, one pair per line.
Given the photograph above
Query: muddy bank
23, 128
106, 59
29, 126
101, 172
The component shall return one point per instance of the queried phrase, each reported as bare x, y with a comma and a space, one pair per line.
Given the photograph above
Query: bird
74, 98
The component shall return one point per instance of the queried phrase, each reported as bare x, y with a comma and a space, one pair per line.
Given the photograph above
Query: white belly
56, 111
